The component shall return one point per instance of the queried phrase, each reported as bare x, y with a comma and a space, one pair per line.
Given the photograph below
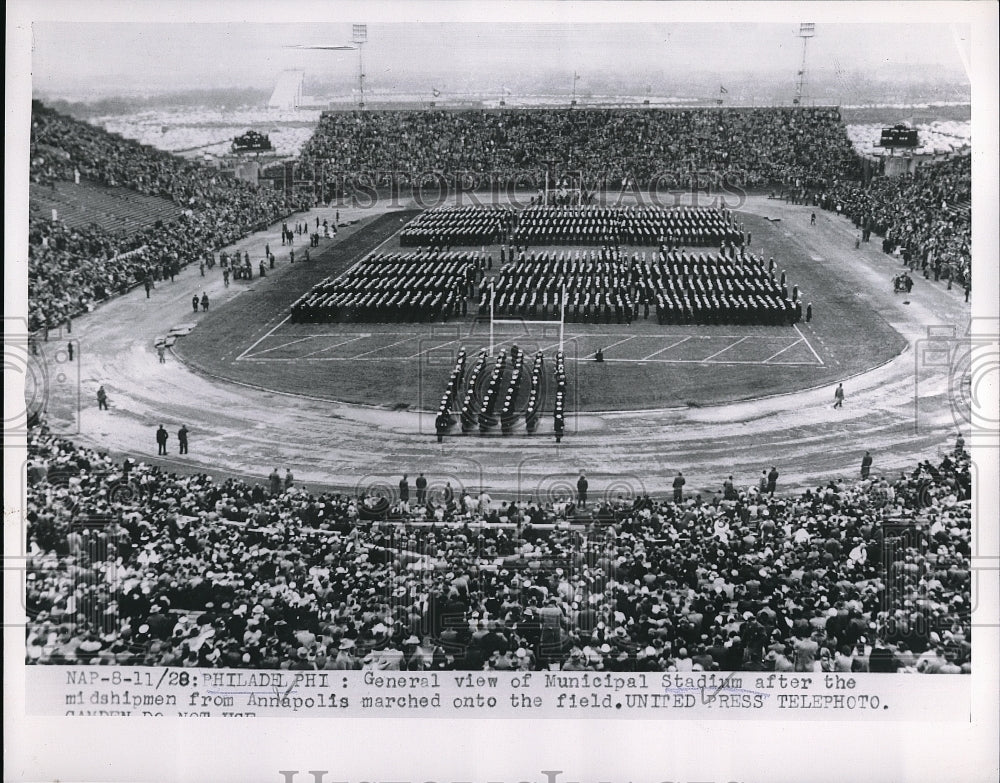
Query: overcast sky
82, 59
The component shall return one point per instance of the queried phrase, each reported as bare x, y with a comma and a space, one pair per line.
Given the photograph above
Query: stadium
559, 385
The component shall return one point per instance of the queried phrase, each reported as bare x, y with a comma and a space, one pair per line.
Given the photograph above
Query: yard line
732, 345
384, 347
790, 345
796, 327
684, 361
311, 358
335, 345
432, 348
266, 335
682, 340
291, 342
608, 347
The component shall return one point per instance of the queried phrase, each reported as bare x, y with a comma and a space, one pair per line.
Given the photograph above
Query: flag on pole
723, 90
435, 92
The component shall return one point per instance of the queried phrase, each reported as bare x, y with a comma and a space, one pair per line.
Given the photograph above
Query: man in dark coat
582, 485
679, 482
182, 439
866, 464
161, 440
404, 492
772, 480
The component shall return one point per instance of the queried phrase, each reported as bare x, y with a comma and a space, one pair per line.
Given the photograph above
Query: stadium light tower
359, 37
806, 31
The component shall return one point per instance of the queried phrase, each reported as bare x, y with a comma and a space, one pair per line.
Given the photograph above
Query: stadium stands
662, 147
925, 215
118, 211
71, 267
870, 575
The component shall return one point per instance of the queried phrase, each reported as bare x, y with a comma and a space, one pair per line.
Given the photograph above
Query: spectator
296, 571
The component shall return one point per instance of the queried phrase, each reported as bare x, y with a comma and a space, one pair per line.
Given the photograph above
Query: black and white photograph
580, 374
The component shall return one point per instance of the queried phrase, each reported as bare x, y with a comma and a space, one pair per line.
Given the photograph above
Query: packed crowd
662, 147
70, 269
130, 565
924, 215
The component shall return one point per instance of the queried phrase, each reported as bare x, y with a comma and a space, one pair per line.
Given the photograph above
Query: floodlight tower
359, 37
807, 30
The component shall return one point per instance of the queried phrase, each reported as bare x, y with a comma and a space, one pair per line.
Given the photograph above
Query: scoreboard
899, 136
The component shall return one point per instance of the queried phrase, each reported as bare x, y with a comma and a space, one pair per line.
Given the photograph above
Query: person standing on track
102, 399
421, 490
182, 439
838, 396
679, 482
772, 481
404, 494
582, 485
866, 464
161, 441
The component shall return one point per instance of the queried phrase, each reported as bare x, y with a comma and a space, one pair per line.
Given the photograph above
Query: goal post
527, 322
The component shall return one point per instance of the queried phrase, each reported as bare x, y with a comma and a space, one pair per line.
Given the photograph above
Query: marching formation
685, 226
422, 286
498, 397
448, 226
605, 286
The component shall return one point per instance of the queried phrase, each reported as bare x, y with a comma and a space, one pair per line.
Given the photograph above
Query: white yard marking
390, 345
792, 345
285, 345
335, 345
608, 347
672, 345
731, 345
796, 326
266, 335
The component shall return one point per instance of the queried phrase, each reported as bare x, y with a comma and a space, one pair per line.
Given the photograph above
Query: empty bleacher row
683, 226
606, 286
426, 286
499, 398
458, 226
117, 210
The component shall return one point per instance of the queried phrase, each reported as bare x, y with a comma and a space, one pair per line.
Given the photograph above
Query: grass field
646, 365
